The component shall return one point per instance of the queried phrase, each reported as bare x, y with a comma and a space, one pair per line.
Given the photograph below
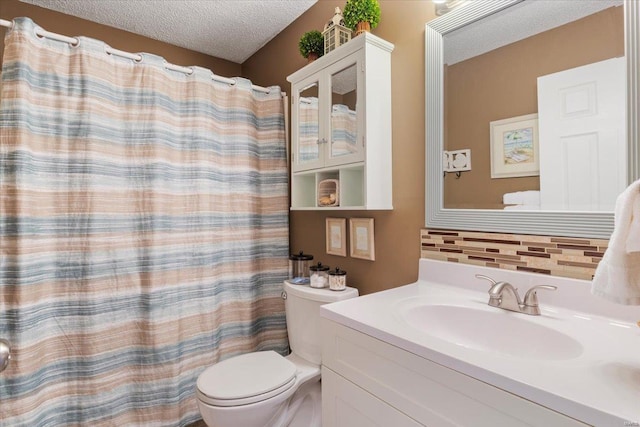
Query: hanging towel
633, 239
617, 277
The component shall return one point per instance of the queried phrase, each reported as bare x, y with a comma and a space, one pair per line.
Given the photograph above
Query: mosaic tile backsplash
557, 256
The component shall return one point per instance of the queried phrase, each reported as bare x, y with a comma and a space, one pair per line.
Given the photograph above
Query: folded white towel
523, 207
617, 277
528, 197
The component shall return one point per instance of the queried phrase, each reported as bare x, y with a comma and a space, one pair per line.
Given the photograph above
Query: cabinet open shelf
305, 187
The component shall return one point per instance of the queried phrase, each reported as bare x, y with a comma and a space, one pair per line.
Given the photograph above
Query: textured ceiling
228, 29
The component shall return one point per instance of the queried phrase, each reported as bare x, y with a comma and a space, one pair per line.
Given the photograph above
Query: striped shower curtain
344, 130
308, 128
144, 232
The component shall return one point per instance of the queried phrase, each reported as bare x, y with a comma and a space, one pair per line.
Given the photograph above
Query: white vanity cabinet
341, 127
367, 382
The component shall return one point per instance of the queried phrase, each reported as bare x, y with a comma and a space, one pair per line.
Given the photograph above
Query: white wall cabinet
341, 126
369, 379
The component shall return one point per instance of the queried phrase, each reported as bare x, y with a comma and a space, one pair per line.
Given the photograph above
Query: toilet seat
246, 379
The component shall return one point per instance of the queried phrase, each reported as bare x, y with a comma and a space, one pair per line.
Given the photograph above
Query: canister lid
319, 267
301, 257
337, 272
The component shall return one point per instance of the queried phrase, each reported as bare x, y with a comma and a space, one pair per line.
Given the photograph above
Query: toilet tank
302, 307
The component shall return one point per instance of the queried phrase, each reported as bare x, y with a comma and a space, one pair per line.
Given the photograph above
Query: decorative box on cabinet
341, 126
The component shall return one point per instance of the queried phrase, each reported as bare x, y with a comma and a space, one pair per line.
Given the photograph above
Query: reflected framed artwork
514, 147
336, 235
362, 241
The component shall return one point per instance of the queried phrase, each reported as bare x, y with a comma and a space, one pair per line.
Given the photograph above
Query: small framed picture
336, 231
362, 242
514, 147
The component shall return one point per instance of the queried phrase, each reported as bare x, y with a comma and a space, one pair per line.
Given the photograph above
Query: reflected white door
582, 130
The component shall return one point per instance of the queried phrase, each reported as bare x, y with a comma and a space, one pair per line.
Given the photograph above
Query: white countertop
600, 387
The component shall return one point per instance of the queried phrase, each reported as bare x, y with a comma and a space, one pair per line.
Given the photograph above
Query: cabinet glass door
344, 115
309, 143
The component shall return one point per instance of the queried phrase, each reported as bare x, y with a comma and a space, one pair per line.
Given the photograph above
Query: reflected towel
523, 207
617, 277
529, 197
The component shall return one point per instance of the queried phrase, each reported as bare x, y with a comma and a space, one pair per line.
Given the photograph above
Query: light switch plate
457, 160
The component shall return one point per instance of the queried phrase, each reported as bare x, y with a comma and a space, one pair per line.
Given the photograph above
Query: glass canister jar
337, 279
319, 275
299, 268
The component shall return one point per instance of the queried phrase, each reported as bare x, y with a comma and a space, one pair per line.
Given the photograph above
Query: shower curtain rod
134, 56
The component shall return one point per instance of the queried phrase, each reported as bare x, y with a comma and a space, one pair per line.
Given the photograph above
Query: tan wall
502, 84
397, 242
71, 26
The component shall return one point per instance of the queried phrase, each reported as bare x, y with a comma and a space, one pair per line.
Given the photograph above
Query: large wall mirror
545, 95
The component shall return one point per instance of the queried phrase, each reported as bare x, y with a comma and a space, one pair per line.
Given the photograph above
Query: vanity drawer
432, 394
344, 404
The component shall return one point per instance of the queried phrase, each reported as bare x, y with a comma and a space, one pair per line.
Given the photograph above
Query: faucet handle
531, 297
483, 277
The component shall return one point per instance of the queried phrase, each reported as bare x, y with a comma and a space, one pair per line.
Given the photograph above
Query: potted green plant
361, 15
311, 45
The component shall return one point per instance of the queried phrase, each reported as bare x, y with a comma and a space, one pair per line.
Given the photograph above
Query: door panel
582, 137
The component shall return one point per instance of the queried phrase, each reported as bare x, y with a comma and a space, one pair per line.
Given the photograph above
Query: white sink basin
580, 357
494, 331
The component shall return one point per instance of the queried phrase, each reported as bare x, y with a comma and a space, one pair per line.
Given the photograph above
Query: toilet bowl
292, 385
265, 389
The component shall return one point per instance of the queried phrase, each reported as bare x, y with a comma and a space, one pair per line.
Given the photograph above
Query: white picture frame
362, 239
514, 147
336, 236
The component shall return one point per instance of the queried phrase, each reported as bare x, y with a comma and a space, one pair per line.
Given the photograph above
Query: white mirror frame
553, 223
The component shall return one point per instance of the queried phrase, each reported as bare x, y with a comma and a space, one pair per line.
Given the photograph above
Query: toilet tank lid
247, 375
325, 295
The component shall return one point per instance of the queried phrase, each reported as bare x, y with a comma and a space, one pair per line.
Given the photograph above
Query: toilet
265, 389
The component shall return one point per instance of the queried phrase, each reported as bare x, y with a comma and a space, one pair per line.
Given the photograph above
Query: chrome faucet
504, 295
